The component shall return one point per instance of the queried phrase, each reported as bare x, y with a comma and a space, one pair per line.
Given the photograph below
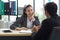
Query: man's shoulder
47, 19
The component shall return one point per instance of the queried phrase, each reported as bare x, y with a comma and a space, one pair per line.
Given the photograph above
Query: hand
31, 17
24, 28
18, 29
35, 28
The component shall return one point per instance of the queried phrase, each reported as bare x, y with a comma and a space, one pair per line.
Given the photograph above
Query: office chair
55, 34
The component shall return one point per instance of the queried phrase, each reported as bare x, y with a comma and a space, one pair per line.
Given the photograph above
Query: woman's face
29, 11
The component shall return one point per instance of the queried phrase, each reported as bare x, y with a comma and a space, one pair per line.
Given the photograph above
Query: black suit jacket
22, 22
46, 28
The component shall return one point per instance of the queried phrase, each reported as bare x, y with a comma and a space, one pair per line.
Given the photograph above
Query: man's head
50, 9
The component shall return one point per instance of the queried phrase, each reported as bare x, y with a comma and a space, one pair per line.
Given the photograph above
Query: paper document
26, 31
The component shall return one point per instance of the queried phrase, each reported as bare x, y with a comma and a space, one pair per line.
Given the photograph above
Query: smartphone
6, 31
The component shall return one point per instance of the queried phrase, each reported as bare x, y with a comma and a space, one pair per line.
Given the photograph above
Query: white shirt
29, 23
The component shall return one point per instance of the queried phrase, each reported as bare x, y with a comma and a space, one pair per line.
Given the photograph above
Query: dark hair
51, 7
24, 14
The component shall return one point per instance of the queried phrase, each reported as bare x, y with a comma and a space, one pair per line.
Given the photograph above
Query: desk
14, 35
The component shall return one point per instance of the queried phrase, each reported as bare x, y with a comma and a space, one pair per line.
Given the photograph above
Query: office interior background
38, 6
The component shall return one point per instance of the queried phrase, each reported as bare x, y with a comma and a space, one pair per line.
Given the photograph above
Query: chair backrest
55, 34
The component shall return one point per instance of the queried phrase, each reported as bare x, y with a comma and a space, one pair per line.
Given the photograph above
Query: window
21, 3
5, 0
39, 10
9, 17
13, 18
5, 17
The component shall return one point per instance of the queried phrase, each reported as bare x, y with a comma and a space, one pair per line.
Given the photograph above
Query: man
51, 21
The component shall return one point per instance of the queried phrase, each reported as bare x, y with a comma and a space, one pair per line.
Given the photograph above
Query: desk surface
15, 33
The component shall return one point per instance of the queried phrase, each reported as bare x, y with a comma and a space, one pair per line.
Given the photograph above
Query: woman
27, 20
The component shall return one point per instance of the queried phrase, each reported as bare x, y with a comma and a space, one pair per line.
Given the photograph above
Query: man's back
46, 28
